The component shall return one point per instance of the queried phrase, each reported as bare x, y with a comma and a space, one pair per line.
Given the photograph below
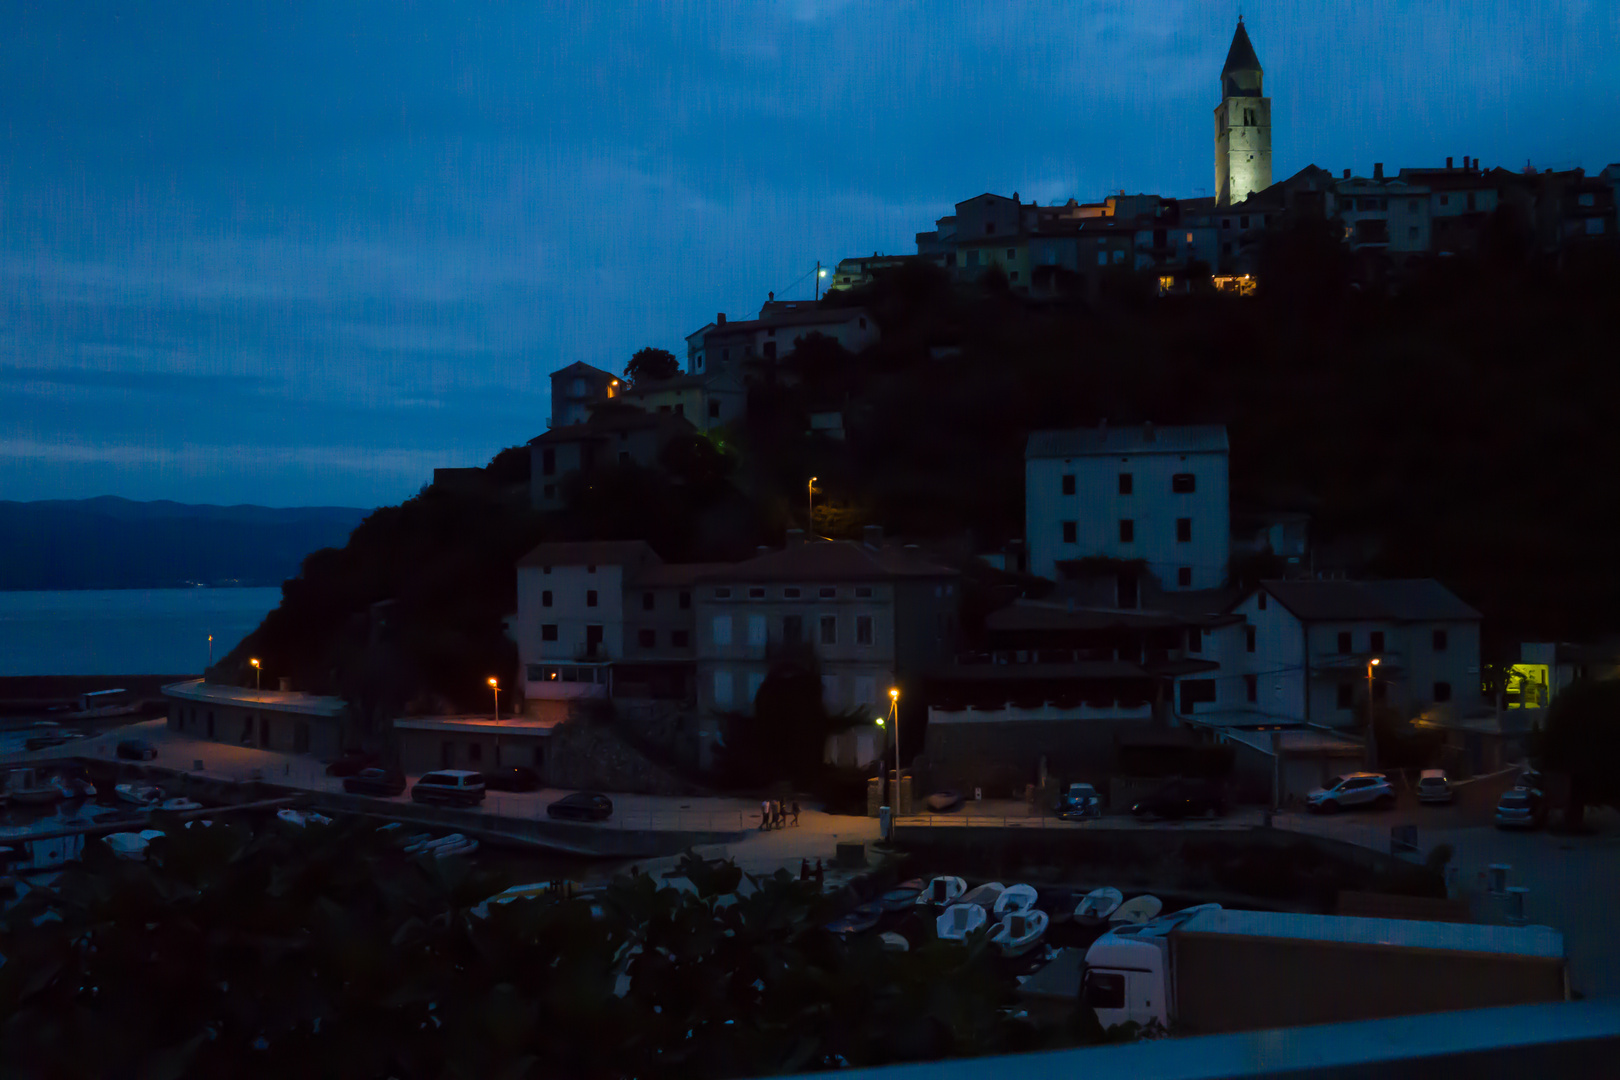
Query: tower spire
1242, 124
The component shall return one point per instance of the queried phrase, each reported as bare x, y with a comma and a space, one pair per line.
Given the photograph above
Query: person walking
764, 814
821, 875
795, 813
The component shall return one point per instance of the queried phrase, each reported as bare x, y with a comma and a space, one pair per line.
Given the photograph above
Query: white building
1302, 652
753, 347
1133, 493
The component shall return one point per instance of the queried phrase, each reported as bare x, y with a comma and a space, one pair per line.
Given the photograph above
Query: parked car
137, 750
351, 763
1352, 789
454, 787
1521, 808
1078, 801
384, 782
45, 739
513, 778
1183, 798
582, 806
1434, 786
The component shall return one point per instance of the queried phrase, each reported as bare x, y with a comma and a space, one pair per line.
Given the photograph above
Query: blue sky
297, 253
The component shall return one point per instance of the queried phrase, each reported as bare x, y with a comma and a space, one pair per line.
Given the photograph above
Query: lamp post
820, 273
255, 664
495, 687
210, 650
1372, 733
810, 507
894, 715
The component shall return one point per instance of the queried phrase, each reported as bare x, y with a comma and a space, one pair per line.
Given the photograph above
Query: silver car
1520, 808
1434, 786
1352, 789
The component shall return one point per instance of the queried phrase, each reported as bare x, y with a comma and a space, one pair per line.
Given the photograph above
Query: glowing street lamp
1372, 733
256, 669
496, 688
810, 506
894, 714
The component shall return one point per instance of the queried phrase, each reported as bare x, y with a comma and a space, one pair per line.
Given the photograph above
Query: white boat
942, 891
1019, 932
429, 846
889, 941
76, 787
1015, 898
131, 845
985, 895
466, 846
179, 803
959, 920
1138, 909
1097, 906
301, 819
27, 786
138, 794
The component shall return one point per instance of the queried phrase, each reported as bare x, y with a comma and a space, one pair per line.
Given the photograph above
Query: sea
125, 631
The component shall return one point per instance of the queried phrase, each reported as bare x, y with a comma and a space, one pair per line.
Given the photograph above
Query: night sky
302, 253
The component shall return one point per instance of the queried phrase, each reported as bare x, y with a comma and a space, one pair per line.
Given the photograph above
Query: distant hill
113, 543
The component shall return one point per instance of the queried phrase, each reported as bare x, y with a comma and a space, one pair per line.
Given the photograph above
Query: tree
652, 364
785, 737
1582, 741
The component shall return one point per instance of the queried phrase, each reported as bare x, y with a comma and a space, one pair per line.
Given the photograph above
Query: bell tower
1242, 125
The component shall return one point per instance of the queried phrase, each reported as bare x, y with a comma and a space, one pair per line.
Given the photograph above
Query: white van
453, 787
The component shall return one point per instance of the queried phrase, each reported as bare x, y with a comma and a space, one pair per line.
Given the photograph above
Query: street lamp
210, 650
810, 506
894, 714
1372, 732
255, 664
495, 687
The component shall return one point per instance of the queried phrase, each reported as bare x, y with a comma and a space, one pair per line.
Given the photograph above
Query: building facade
279, 720
1242, 125
1158, 495
615, 434
576, 390
752, 349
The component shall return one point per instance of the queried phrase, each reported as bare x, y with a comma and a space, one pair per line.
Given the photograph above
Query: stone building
1242, 125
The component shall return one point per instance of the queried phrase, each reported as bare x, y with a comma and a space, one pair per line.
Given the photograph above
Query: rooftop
271, 700
831, 560
822, 316
608, 419
1241, 57
1134, 439
1293, 741
1045, 615
590, 553
1400, 600
475, 724
1535, 941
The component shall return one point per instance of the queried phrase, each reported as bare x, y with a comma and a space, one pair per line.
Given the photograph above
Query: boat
902, 896
858, 921
941, 891
1019, 932
27, 787
76, 787
985, 895
103, 703
1097, 906
301, 818
466, 846
942, 802
959, 920
131, 845
426, 844
1138, 909
138, 794
180, 803
1015, 898
1059, 904
893, 942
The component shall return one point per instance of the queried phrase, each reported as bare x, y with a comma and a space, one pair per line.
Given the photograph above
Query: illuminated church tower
1242, 125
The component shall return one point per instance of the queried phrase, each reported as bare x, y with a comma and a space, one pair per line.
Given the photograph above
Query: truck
1208, 970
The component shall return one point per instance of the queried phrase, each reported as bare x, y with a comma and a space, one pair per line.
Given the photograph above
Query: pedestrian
821, 874
764, 814
795, 813
804, 869
776, 812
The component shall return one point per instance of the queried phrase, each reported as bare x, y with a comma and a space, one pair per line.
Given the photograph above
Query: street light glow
1375, 661
878, 721
824, 273
255, 663
894, 693
492, 681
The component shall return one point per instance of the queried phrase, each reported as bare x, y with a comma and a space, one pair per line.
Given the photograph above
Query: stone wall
586, 755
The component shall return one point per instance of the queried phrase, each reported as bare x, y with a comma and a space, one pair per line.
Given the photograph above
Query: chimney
1448, 163
720, 319
770, 296
795, 538
1347, 174
872, 536
1378, 170
284, 684
1147, 432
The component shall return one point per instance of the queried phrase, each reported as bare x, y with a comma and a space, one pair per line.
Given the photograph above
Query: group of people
774, 814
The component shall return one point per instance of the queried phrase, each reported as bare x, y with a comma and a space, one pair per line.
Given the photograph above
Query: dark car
137, 750
384, 782
512, 778
1182, 799
582, 806
351, 763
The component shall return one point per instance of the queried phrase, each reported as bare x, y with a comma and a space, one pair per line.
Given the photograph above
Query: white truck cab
1124, 978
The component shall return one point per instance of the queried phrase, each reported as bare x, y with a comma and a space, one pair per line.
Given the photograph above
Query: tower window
1183, 530
1124, 483
1069, 529
1127, 530
1183, 483
1068, 484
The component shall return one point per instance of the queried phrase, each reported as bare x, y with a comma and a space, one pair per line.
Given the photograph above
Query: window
863, 592
1411, 232
1196, 692
722, 594
722, 630
863, 629
1013, 276
1226, 248
680, 409
790, 594
1069, 532
646, 601
722, 688
1183, 530
756, 593
593, 641
828, 592
1377, 641
714, 410
548, 462
756, 630
1260, 601
829, 629
1445, 200
1471, 205
1411, 206
1195, 639
1344, 641
1347, 695
1104, 989
590, 597
1102, 258
1127, 530
1440, 641
680, 639
545, 598
1183, 483
1124, 483
1068, 484
792, 629
1248, 639
475, 752
1012, 253
647, 639
989, 228
1243, 222
1184, 577
548, 631
973, 257
685, 601
1442, 691
1251, 688
1226, 223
